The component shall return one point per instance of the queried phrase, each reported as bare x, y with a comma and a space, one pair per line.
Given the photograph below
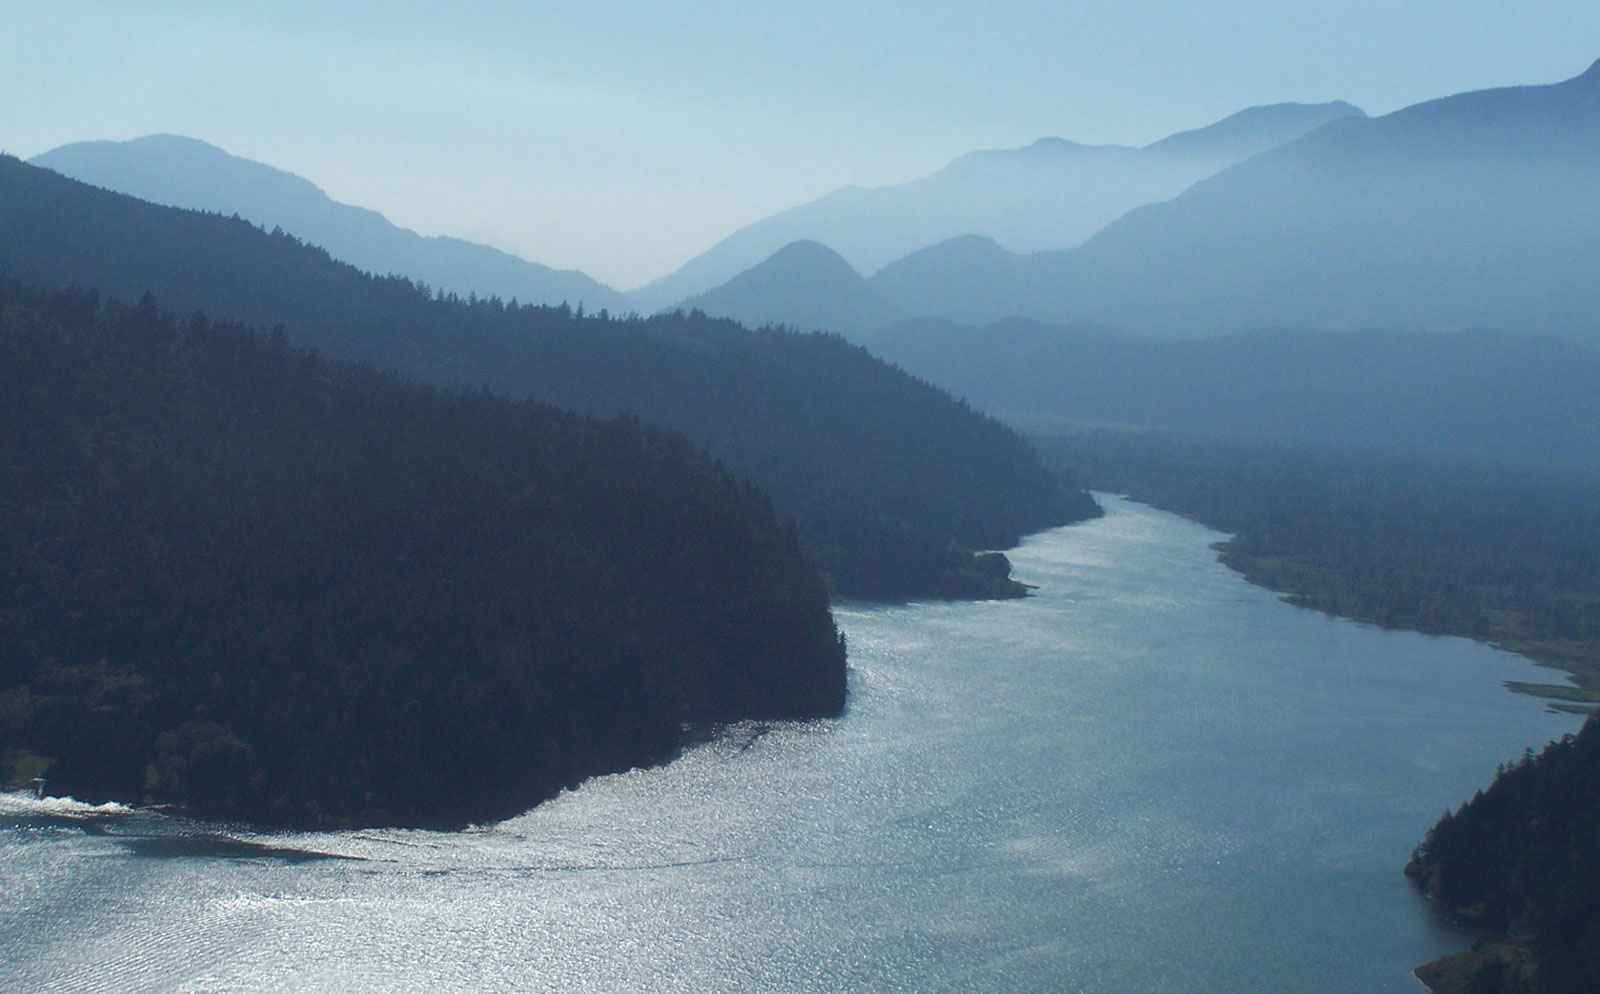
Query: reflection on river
1149, 777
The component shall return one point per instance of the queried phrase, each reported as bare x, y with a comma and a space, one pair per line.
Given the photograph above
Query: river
1149, 777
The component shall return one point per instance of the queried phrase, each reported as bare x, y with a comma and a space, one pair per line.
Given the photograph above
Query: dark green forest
1522, 860
1445, 548
257, 584
891, 483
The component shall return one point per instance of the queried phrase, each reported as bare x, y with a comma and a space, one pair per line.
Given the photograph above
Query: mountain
1049, 195
265, 586
184, 172
806, 285
1510, 399
1476, 210
887, 479
970, 279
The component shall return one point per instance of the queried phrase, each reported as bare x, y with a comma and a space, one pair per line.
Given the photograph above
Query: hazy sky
623, 137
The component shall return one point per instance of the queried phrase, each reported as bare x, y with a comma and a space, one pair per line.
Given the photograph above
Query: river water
1149, 777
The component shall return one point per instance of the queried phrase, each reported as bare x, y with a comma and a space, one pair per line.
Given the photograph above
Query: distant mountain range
1509, 399
1477, 210
1052, 194
183, 172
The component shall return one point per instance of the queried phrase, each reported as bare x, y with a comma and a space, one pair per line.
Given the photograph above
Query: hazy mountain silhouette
185, 172
886, 478
805, 284
971, 279
1508, 398
1477, 210
1049, 195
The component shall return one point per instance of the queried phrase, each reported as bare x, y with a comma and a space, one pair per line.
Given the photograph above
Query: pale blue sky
623, 137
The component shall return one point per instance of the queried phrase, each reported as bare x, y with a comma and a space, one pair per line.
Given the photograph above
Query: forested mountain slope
248, 581
887, 478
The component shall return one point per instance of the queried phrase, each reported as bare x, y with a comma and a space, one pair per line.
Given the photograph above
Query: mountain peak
1045, 151
805, 284
807, 253
177, 170
180, 171
1050, 145
163, 142
967, 248
1255, 129
171, 141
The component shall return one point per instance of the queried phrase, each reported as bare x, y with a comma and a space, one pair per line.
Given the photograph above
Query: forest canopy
1522, 860
246, 580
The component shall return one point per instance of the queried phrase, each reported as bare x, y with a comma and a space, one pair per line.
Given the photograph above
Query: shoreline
1583, 697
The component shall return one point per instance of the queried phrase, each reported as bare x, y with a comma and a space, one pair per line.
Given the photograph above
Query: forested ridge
889, 480
1445, 548
246, 580
1522, 860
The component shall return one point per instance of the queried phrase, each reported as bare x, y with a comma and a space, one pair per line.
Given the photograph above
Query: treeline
240, 578
1512, 558
890, 481
1522, 860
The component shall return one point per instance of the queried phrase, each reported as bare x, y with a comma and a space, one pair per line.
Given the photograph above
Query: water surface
1148, 777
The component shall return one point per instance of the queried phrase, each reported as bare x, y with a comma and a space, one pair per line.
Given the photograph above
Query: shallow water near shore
1150, 776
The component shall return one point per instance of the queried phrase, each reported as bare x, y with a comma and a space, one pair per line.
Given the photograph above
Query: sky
623, 138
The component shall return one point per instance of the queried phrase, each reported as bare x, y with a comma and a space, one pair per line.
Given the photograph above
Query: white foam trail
22, 804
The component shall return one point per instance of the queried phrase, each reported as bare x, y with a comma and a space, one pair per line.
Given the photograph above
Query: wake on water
142, 831
23, 806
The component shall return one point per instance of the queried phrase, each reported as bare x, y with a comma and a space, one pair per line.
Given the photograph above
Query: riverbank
1507, 967
1508, 559
1301, 586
